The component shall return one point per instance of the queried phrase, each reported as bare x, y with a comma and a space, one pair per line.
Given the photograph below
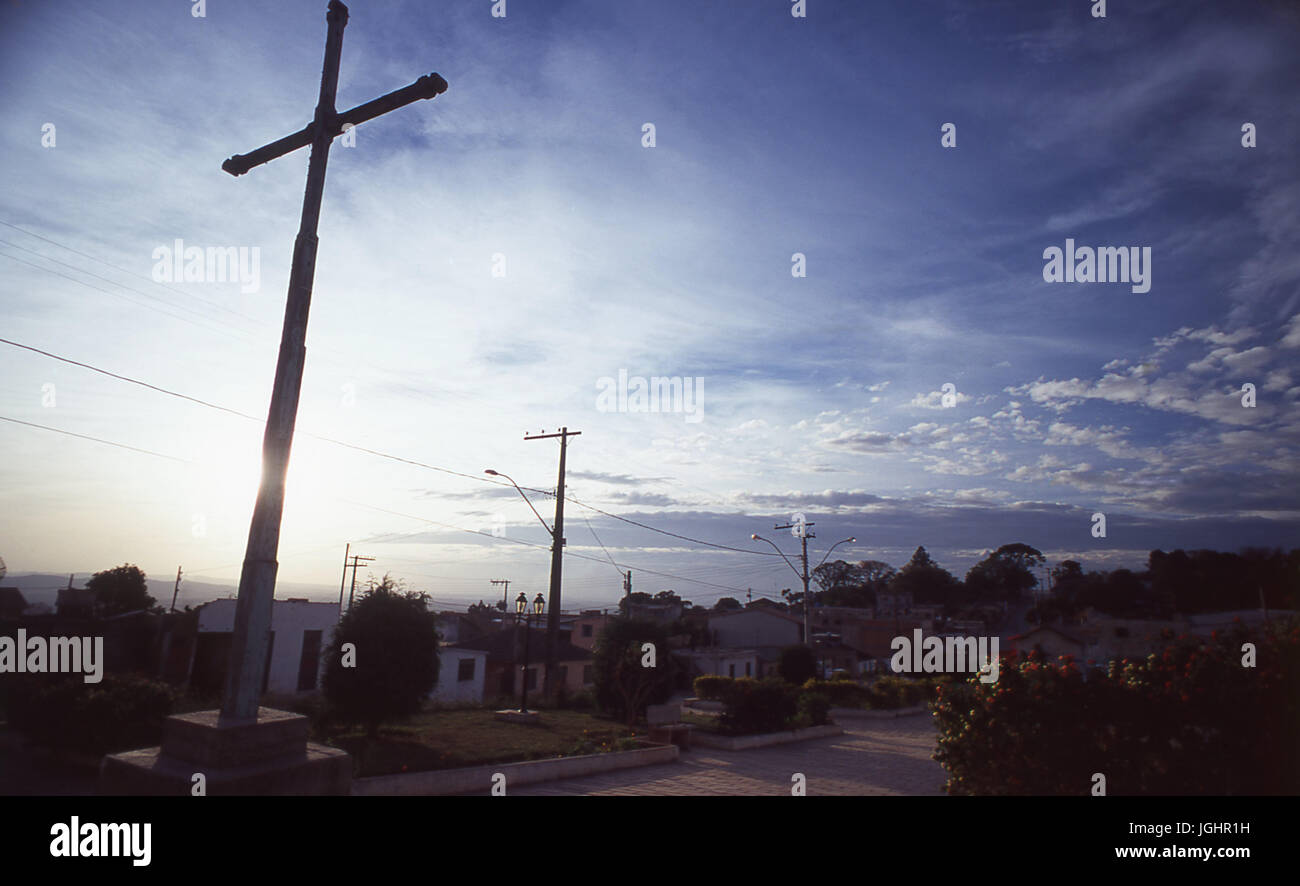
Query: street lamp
521, 608
493, 473
803, 575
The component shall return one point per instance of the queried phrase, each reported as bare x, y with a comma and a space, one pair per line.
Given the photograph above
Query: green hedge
769, 705
1193, 719
711, 687
841, 693
65, 713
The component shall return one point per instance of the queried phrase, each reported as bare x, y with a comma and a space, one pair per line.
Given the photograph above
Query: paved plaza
871, 758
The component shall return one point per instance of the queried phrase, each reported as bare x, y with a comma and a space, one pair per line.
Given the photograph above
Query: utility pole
356, 561
250, 638
804, 534
505, 592
557, 555
344, 580
177, 589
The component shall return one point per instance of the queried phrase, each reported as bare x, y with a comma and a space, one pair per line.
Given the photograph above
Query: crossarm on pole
428, 86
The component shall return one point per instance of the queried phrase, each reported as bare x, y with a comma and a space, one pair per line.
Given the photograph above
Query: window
532, 678
731, 670
588, 674
465, 670
586, 630
562, 672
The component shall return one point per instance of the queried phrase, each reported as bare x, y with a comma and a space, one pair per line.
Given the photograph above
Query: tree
851, 584
926, 581
119, 590
1007, 574
624, 684
726, 603
797, 664
634, 597
383, 660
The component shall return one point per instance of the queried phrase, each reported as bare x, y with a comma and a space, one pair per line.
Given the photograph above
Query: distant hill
43, 587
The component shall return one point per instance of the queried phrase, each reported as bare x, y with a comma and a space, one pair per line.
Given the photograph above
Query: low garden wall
701, 738
478, 779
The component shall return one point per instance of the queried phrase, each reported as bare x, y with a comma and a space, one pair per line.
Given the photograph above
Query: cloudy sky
492, 260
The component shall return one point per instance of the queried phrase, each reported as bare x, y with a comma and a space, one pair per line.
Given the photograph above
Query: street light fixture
803, 575
549, 530
521, 608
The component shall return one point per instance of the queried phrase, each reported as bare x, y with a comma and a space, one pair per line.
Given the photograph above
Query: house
455, 627
75, 602
12, 603
587, 627
754, 628
892, 603
300, 629
505, 648
720, 662
462, 674
1051, 641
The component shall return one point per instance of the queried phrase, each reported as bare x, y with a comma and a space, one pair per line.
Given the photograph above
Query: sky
860, 313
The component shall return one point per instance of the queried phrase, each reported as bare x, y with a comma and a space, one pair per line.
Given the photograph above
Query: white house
461, 675
300, 630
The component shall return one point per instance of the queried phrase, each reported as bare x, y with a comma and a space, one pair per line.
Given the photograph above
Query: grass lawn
450, 739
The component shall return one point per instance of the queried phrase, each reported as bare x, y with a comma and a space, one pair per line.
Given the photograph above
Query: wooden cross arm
428, 86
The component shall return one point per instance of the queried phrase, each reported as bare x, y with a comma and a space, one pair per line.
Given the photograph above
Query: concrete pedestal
269, 755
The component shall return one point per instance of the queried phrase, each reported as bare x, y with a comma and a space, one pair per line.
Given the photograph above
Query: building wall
754, 628
289, 620
451, 688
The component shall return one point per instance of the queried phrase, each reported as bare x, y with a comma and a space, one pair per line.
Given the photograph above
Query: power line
378, 453
95, 439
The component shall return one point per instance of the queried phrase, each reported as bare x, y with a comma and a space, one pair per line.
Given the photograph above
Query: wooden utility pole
505, 592
557, 556
177, 589
804, 535
356, 561
252, 629
344, 580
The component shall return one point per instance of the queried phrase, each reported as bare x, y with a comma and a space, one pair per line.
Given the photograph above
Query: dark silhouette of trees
623, 684
392, 663
119, 590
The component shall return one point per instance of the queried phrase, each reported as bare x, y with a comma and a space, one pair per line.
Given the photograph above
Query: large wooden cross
252, 628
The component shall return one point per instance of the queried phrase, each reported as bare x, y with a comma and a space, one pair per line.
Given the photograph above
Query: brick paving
872, 757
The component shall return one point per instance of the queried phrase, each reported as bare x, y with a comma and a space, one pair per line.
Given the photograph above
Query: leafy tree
623, 685
119, 590
634, 597
726, 603
1007, 574
927, 581
394, 638
851, 584
797, 664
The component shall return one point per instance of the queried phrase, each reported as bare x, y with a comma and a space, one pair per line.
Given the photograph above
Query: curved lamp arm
521, 492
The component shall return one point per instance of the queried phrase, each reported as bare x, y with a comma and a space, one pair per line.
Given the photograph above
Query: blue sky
774, 135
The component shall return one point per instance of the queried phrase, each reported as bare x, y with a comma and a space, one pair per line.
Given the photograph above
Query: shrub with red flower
1188, 720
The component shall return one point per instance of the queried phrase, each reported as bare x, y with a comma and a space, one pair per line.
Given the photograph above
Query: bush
814, 709
117, 714
840, 693
623, 687
712, 688
756, 706
1189, 720
891, 692
797, 664
395, 641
